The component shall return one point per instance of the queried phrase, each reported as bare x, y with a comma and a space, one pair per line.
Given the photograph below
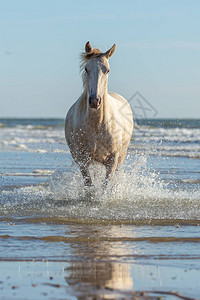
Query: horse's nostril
94, 102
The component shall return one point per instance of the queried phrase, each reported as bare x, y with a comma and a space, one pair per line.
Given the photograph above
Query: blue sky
157, 53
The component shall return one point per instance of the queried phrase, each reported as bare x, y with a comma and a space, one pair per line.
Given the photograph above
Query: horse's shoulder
76, 106
122, 102
122, 105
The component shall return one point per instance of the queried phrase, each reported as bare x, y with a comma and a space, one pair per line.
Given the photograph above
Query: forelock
92, 54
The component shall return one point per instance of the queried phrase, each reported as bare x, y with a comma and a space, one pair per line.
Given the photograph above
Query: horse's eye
86, 70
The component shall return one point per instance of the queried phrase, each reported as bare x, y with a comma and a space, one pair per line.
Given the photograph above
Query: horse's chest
96, 145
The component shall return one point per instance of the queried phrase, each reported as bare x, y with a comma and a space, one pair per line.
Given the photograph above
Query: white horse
99, 124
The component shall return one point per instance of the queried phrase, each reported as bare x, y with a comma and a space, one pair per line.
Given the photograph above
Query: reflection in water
96, 271
99, 274
121, 277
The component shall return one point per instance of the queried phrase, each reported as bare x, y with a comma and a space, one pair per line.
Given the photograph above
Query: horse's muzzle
94, 102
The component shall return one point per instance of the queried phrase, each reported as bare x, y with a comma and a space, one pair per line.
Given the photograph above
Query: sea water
140, 234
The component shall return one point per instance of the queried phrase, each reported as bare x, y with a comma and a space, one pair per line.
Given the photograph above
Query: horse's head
96, 74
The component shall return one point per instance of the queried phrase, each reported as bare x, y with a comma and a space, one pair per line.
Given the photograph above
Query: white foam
41, 151
23, 138
155, 141
168, 134
43, 172
21, 146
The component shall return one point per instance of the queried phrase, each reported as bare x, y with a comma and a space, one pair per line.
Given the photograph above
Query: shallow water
140, 235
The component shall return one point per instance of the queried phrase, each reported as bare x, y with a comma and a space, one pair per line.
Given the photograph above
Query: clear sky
157, 53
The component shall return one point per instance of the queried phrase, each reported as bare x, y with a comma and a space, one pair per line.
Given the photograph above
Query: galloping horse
99, 124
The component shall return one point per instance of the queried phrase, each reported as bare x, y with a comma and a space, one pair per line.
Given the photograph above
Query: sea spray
135, 193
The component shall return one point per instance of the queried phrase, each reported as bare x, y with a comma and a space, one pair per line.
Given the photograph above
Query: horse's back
118, 97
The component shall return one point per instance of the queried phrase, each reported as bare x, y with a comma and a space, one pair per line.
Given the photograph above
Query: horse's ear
110, 52
88, 47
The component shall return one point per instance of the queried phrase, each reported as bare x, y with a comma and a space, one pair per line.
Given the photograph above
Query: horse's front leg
111, 166
86, 175
89, 188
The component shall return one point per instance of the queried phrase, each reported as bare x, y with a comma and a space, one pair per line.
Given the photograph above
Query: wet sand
87, 261
91, 280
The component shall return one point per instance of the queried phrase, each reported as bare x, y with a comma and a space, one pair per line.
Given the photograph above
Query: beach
139, 238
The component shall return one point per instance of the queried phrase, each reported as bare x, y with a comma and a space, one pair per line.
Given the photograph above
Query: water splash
135, 193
